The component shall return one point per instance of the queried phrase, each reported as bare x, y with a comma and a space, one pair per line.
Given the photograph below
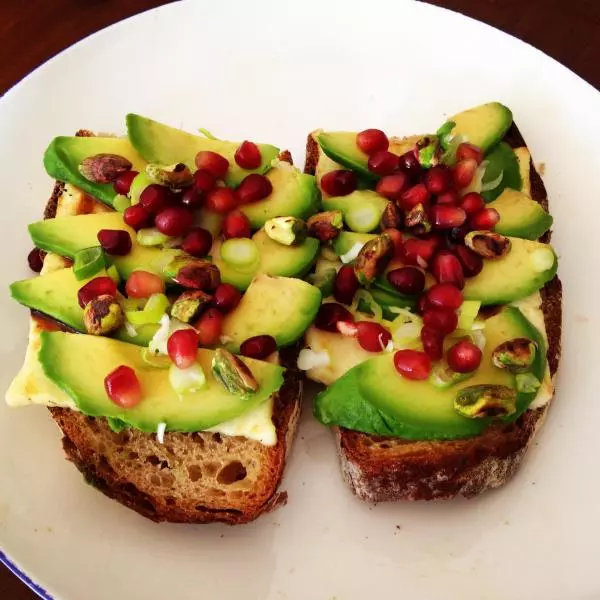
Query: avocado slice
372, 397
502, 161
83, 380
281, 307
523, 271
159, 143
64, 155
346, 240
362, 209
524, 160
520, 216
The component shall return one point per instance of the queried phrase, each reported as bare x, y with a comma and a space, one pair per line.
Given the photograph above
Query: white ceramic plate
273, 71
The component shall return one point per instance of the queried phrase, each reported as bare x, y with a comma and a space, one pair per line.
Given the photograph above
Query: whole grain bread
381, 468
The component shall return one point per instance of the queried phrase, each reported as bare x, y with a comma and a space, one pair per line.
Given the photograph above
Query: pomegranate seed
433, 342
174, 221
204, 181
410, 165
154, 198
446, 268
444, 295
423, 304
115, 241
347, 328
345, 285
417, 194
418, 251
212, 162
182, 347
191, 199
472, 203
466, 150
412, 364
457, 234
448, 197
392, 186
99, 286
485, 219
226, 297
382, 163
259, 347
209, 327
443, 320
330, 314
464, 172
407, 280
197, 242
446, 216
253, 188
247, 155
464, 357
136, 217
372, 337
339, 183
123, 387
122, 184
236, 225
438, 179
397, 240
372, 140
472, 263
221, 200
35, 260
142, 284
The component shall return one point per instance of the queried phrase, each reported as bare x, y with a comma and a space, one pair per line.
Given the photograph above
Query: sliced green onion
140, 182
324, 280
173, 242
114, 274
363, 217
151, 236
406, 328
467, 314
154, 361
130, 304
241, 253
187, 380
442, 376
449, 157
121, 203
363, 300
155, 308
88, 262
206, 133
486, 186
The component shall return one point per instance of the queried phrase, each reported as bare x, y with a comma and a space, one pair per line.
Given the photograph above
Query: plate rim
24, 577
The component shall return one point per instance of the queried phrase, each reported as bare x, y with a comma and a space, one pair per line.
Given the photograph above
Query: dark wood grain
31, 31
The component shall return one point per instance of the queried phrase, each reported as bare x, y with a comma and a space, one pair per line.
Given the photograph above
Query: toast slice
200, 477
381, 468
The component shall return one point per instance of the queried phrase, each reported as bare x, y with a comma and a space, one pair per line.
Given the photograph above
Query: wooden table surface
31, 31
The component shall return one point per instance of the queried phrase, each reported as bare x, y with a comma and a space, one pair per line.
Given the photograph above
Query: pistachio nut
478, 401
516, 355
373, 258
175, 176
189, 305
325, 226
286, 230
194, 273
487, 244
104, 168
527, 383
392, 217
102, 315
233, 373
428, 151
442, 376
416, 218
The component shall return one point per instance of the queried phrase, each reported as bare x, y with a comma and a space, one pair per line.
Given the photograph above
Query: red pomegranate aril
438, 179
372, 140
35, 260
419, 250
472, 203
446, 216
347, 328
253, 188
212, 162
154, 198
472, 263
382, 163
345, 285
464, 357
446, 268
397, 241
258, 347
417, 194
433, 342
197, 242
247, 155
174, 221
122, 184
209, 327
407, 280
464, 172
448, 197
466, 150
412, 364
191, 199
182, 347
444, 295
137, 217
443, 320
486, 218
457, 234
220, 200
123, 387
339, 183
330, 314
226, 297
372, 337
410, 165
142, 284
392, 186
236, 225
115, 242
423, 304
204, 181
99, 286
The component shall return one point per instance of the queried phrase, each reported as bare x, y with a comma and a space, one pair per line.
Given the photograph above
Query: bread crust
379, 469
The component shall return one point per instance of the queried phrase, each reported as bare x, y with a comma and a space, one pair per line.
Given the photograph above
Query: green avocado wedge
520, 216
78, 364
